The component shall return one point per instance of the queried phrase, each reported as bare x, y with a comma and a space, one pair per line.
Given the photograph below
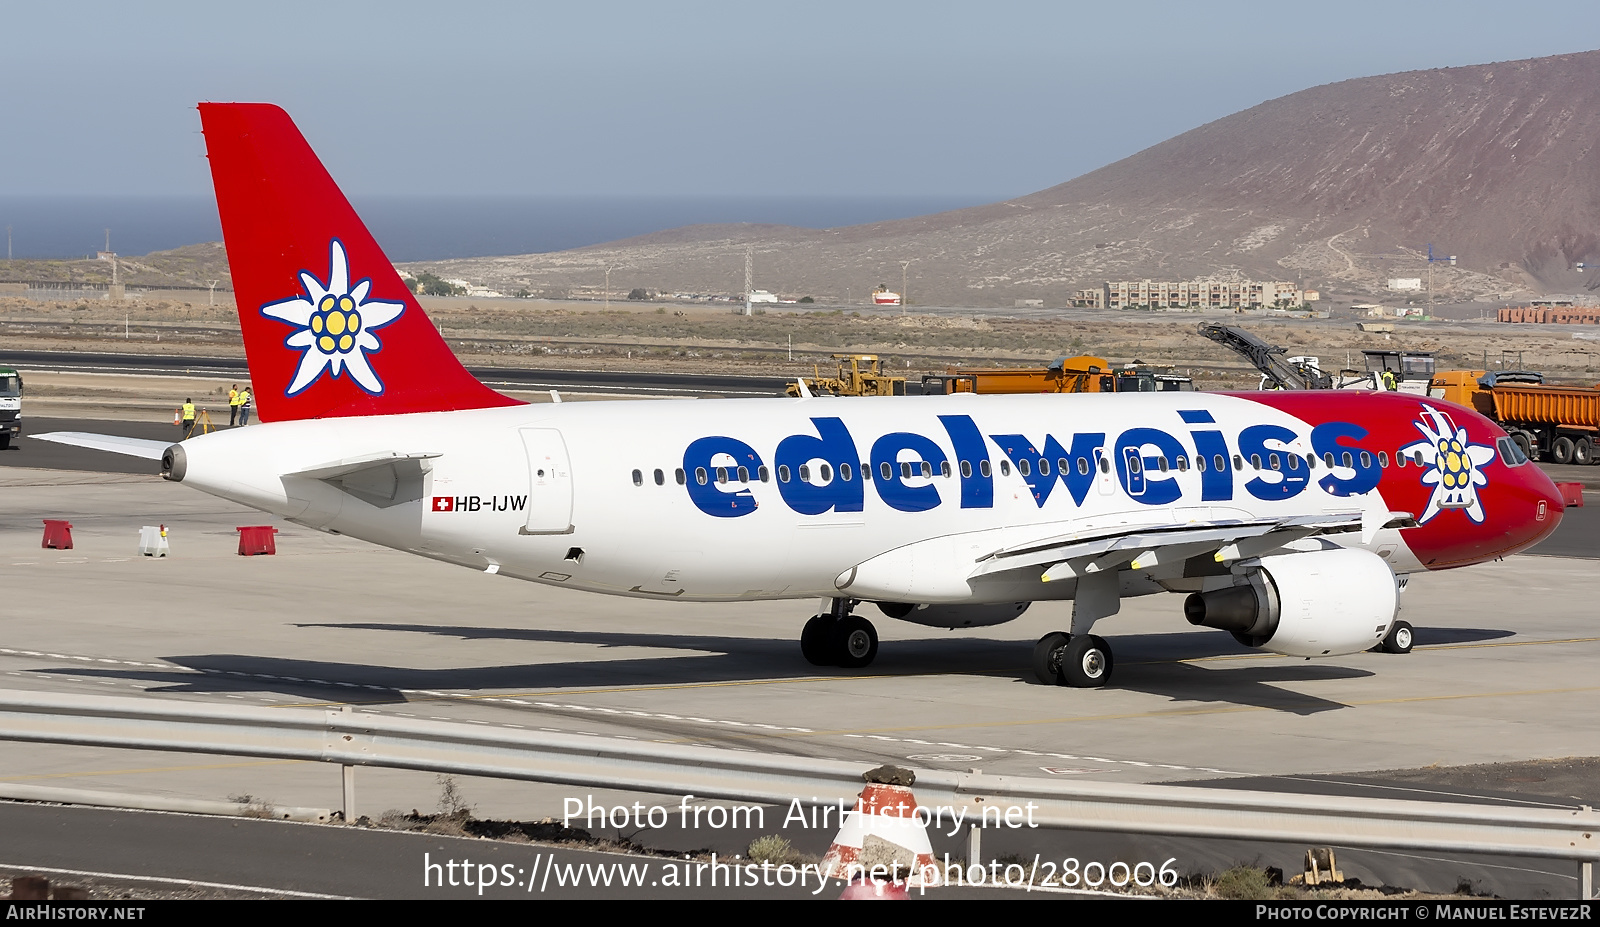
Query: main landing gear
1083, 661
839, 638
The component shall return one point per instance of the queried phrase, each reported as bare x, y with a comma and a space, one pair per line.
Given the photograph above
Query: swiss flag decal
444, 503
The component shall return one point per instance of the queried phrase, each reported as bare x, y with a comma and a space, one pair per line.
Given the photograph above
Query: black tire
1561, 450
1583, 452
1047, 658
1400, 639
1528, 445
5, 441
855, 642
816, 641
1086, 662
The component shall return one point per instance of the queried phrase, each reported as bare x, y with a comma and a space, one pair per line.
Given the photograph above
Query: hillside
1340, 187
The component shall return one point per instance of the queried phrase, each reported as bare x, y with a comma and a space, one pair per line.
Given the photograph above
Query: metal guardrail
359, 739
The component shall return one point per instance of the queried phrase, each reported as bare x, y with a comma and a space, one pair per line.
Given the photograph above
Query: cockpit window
1511, 452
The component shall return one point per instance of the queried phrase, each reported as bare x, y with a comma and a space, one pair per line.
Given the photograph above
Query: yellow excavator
859, 375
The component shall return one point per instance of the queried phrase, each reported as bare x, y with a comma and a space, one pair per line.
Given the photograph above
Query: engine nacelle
954, 616
1313, 604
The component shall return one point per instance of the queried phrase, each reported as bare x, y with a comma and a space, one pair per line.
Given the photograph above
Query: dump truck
858, 375
1081, 374
10, 406
1555, 423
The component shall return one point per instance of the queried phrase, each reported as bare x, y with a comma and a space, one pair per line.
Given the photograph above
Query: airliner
1290, 520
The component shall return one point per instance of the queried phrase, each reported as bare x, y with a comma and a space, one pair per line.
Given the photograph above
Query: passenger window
1136, 464
1183, 464
638, 478
762, 474
905, 470
1383, 459
1200, 462
1255, 461
1274, 462
1327, 458
983, 467
1105, 465
826, 472
1044, 467
1348, 460
944, 469
805, 473
1005, 468
844, 472
783, 473
1238, 462
1083, 466
1293, 460
661, 478
1163, 461
722, 474
1063, 466
886, 471
927, 470
1024, 468
700, 475
1366, 460
866, 472
679, 475
744, 474
1219, 463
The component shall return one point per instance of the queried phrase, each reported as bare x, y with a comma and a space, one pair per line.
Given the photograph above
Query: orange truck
1082, 374
1556, 423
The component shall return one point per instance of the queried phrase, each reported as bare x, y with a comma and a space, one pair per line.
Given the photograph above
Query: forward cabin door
550, 482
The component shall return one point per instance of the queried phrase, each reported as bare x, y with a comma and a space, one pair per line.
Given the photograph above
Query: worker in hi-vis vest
234, 402
245, 404
186, 418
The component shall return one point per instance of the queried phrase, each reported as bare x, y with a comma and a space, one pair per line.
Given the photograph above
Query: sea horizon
426, 228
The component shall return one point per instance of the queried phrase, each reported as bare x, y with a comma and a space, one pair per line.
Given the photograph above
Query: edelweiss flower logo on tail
1455, 465
336, 322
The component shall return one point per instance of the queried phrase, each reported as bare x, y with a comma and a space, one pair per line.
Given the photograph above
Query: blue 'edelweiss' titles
827, 472
335, 323
1455, 465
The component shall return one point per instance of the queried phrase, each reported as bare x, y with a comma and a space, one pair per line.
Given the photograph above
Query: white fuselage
548, 493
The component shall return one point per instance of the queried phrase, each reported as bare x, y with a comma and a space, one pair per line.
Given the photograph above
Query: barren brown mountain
1339, 187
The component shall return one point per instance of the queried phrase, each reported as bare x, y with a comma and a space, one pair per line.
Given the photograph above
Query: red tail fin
329, 328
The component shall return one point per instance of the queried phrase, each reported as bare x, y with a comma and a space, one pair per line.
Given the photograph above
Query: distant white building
1406, 284
762, 296
1194, 294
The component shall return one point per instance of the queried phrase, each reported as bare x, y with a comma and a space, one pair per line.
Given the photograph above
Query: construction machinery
1082, 374
1412, 371
1556, 423
858, 375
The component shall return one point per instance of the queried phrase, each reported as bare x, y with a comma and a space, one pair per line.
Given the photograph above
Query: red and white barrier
886, 841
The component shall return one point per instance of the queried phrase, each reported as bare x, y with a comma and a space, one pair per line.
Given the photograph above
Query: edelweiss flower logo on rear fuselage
1455, 465
336, 322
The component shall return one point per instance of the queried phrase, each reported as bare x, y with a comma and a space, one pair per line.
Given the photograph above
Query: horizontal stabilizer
132, 447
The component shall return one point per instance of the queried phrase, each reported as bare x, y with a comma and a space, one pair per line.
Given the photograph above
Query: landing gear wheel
1086, 662
1561, 450
1583, 452
815, 641
1047, 658
1399, 639
855, 642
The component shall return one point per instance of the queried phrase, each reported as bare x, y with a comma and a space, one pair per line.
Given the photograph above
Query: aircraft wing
943, 569
132, 447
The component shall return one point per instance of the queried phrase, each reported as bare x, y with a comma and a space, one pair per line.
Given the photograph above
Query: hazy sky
989, 98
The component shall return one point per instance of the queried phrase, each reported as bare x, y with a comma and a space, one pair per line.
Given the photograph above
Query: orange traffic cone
884, 840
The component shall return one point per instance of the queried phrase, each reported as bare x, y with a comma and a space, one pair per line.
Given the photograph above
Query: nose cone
1536, 494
